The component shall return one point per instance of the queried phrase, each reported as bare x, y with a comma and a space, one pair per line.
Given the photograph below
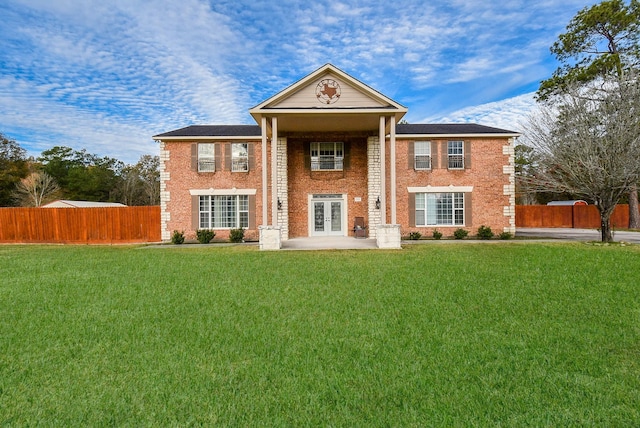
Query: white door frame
342, 198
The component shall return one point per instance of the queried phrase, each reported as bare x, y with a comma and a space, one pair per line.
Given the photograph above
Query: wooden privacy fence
80, 225
576, 216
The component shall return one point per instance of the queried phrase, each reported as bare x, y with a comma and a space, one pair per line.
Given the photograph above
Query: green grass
494, 334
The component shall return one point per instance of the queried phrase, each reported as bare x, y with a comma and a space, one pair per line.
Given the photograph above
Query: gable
328, 88
329, 91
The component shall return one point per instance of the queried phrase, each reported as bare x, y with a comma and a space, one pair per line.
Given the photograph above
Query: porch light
279, 205
378, 203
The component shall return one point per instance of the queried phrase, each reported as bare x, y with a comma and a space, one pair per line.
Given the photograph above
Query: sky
107, 75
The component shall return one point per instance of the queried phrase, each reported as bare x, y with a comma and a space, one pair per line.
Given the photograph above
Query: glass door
327, 217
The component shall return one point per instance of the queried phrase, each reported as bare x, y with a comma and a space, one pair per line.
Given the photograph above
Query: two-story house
325, 151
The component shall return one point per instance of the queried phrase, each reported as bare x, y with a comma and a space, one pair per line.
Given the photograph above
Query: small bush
484, 232
205, 235
505, 235
177, 238
236, 235
460, 233
414, 236
437, 234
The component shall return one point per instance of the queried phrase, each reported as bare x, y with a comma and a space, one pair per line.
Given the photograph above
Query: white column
392, 142
383, 172
274, 171
265, 182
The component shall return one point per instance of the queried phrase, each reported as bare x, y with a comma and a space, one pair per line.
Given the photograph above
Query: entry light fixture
378, 203
279, 205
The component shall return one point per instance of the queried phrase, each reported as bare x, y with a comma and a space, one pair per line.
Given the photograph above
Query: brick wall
486, 175
176, 199
352, 181
491, 175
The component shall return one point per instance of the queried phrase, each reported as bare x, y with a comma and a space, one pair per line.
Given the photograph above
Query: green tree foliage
600, 40
13, 168
78, 175
81, 175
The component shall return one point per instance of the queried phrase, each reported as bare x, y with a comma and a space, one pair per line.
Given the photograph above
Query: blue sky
106, 75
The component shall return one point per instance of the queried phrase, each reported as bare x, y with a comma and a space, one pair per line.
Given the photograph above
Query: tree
13, 168
140, 183
81, 175
58, 162
590, 145
149, 170
36, 189
601, 40
525, 167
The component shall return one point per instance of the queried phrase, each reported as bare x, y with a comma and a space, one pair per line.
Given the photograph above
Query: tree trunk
605, 226
634, 215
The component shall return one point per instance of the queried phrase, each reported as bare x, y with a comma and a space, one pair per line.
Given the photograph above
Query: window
422, 155
206, 157
440, 209
222, 212
327, 156
239, 157
455, 150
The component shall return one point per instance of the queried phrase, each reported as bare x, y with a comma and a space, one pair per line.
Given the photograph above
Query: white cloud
510, 114
105, 75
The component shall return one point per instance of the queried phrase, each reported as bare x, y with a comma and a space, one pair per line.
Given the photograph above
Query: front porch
387, 237
329, 243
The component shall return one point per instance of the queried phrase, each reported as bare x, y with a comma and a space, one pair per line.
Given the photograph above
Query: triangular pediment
328, 88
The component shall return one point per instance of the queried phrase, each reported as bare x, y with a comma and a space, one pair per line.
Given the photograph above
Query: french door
327, 216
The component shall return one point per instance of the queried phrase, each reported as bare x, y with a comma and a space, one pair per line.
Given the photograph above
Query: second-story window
327, 156
455, 151
206, 157
422, 155
239, 157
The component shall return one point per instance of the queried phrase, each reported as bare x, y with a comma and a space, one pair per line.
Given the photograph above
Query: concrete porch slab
329, 243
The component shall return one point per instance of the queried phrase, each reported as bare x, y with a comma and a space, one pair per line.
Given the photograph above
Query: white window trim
237, 212
441, 189
336, 159
415, 155
461, 155
238, 158
221, 192
209, 159
453, 212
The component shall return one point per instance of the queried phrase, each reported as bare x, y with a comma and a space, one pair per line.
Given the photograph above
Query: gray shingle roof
214, 131
448, 129
406, 129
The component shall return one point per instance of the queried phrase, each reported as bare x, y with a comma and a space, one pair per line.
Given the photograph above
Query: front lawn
505, 334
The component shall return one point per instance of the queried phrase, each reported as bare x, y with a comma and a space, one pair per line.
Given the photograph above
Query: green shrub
484, 232
460, 233
437, 234
236, 235
505, 235
414, 236
205, 235
177, 238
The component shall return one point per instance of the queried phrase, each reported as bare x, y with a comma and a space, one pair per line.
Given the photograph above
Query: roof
250, 131
565, 203
214, 131
62, 203
449, 129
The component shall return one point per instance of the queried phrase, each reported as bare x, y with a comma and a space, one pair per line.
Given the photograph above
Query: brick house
325, 151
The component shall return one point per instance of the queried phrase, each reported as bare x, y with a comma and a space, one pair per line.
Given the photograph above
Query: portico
323, 121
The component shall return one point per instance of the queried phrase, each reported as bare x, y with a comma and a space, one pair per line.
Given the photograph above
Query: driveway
574, 234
